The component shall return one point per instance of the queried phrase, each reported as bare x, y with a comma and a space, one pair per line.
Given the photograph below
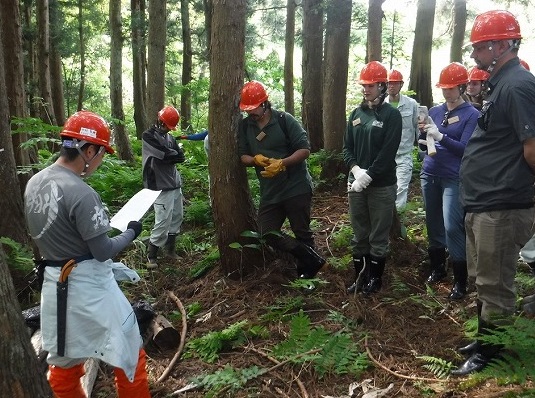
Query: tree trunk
187, 54
45, 88
420, 79
12, 225
56, 75
19, 374
375, 28
30, 73
289, 44
124, 149
336, 67
138, 27
227, 175
459, 26
312, 72
208, 12
156, 56
81, 39
14, 80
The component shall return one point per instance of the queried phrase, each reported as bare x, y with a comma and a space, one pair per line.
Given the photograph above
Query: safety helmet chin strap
512, 44
78, 144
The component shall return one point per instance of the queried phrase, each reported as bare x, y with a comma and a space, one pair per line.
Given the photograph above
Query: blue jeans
444, 216
371, 212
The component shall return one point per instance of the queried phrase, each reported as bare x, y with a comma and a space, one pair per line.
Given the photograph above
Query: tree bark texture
187, 65
289, 44
43, 49
231, 198
20, 373
459, 26
122, 143
313, 72
14, 80
420, 78
139, 82
156, 58
12, 223
336, 66
56, 75
375, 29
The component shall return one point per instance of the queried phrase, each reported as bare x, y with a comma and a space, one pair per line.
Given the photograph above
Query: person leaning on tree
497, 177
160, 154
84, 314
276, 145
370, 144
452, 124
408, 108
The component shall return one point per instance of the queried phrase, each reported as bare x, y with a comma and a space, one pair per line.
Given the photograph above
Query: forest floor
394, 328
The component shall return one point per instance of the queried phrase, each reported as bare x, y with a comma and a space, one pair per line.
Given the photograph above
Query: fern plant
228, 379
438, 366
209, 346
327, 352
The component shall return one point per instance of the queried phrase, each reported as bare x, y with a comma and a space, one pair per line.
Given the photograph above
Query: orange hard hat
524, 64
373, 72
474, 73
253, 94
495, 25
453, 75
169, 116
89, 127
395, 76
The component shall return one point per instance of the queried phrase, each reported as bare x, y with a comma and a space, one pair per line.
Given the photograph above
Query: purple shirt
461, 123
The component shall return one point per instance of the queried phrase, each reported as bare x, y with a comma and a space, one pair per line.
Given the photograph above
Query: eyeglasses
445, 122
484, 117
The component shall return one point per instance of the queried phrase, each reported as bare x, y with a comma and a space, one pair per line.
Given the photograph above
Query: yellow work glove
275, 167
261, 160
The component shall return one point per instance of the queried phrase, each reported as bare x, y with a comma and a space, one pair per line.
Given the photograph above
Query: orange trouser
139, 388
65, 382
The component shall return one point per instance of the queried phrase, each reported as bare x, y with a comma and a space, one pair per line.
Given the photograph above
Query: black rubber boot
362, 275
309, 263
460, 276
437, 259
169, 247
483, 354
152, 256
472, 347
377, 267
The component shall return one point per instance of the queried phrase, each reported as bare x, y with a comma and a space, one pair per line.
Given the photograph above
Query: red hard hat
169, 116
453, 75
89, 127
253, 94
495, 25
395, 76
474, 73
373, 72
524, 64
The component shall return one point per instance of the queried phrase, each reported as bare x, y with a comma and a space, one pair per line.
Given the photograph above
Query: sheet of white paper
134, 209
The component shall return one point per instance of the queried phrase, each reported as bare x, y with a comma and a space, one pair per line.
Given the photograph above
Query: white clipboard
134, 209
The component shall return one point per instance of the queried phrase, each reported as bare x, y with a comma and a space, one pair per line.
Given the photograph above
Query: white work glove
356, 171
364, 179
356, 186
432, 131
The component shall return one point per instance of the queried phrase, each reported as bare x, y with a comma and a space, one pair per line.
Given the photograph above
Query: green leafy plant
440, 367
209, 346
18, 256
227, 379
282, 309
327, 352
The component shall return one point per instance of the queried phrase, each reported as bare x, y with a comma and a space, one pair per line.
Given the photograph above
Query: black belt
61, 263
